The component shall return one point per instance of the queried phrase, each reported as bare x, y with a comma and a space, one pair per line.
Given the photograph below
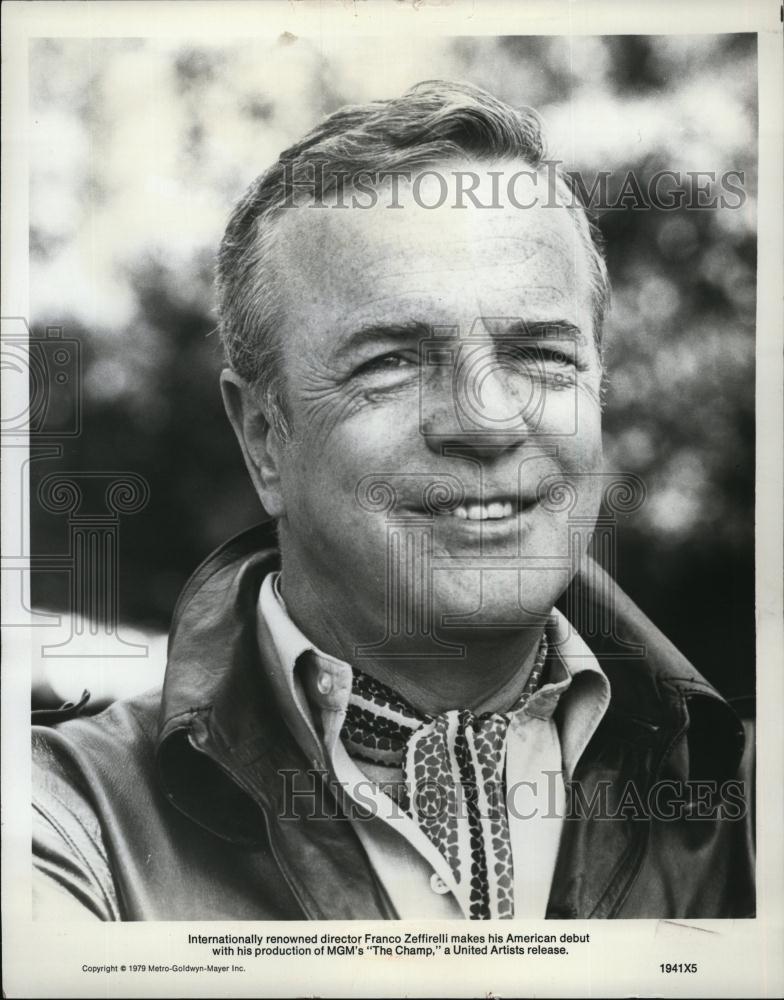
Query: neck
488, 678
486, 674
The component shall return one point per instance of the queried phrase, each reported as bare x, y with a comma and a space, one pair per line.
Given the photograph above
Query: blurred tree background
139, 149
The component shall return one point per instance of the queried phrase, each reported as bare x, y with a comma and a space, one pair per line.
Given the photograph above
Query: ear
258, 438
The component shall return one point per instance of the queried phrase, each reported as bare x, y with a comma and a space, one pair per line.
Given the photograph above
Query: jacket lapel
658, 701
220, 702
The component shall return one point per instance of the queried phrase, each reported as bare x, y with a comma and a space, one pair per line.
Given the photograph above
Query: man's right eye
392, 361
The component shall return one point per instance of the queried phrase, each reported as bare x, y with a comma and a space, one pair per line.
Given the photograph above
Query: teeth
484, 512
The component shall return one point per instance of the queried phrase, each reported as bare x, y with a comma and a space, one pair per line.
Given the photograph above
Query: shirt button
437, 884
324, 682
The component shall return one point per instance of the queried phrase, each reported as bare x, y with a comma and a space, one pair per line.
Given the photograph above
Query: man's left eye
540, 355
556, 357
552, 355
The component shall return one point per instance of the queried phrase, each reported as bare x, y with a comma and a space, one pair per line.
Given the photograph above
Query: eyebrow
413, 330
557, 329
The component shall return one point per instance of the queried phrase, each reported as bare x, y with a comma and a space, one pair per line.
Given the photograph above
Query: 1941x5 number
678, 966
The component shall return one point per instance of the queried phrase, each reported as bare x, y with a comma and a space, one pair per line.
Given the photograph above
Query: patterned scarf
453, 764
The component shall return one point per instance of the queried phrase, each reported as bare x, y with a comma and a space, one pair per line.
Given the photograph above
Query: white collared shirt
539, 755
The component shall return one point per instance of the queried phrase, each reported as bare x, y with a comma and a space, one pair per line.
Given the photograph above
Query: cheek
587, 444
573, 418
580, 459
325, 471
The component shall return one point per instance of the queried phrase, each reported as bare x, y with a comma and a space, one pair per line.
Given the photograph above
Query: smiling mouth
498, 509
495, 511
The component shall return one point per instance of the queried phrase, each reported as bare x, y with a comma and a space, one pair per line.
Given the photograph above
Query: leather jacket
170, 806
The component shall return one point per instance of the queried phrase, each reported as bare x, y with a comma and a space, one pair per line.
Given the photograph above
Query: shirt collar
573, 668
328, 681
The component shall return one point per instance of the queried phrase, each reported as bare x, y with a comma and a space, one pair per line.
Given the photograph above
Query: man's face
425, 346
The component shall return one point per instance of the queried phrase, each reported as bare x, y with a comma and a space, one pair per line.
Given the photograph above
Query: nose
477, 407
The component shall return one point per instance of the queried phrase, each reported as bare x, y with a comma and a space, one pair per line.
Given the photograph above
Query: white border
742, 958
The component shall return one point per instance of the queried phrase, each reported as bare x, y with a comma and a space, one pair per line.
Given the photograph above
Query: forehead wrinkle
509, 251
472, 266
498, 277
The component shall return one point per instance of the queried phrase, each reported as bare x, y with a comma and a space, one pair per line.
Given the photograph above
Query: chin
498, 599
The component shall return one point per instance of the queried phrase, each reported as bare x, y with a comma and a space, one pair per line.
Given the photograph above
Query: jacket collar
218, 718
657, 695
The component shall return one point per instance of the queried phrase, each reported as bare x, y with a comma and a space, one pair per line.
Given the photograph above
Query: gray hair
430, 123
